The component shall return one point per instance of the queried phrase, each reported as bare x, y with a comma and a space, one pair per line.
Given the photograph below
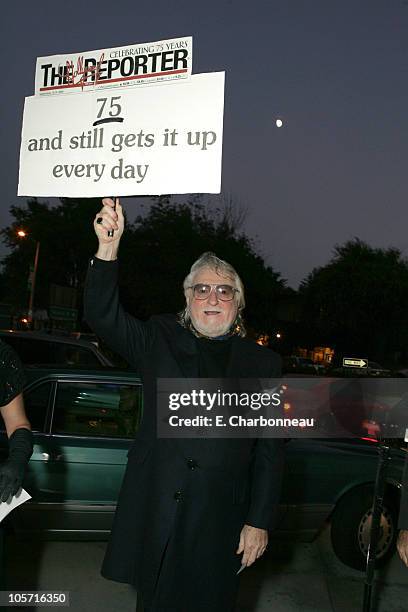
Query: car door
319, 471
37, 401
92, 426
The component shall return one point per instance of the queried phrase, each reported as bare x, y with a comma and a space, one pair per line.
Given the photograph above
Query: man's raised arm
102, 309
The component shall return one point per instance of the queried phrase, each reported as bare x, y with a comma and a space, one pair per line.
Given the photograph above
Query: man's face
212, 317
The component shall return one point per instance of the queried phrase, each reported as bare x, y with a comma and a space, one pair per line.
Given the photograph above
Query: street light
22, 234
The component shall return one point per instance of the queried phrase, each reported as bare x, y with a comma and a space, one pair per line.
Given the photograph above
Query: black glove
12, 471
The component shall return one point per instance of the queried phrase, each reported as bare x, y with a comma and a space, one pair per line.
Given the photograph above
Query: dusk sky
335, 72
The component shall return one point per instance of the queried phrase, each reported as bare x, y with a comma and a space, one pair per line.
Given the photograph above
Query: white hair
223, 268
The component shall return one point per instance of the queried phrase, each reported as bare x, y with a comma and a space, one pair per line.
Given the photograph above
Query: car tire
350, 528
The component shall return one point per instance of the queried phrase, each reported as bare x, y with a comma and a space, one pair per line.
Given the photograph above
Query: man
190, 512
402, 543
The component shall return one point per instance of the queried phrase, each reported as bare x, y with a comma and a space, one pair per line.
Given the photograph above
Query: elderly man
191, 512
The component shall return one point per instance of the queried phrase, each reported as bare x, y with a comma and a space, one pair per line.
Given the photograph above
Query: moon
279, 123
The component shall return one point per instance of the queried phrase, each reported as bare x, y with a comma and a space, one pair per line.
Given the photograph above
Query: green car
84, 423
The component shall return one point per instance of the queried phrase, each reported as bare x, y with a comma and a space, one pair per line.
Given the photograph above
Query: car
348, 407
84, 422
42, 348
375, 369
372, 369
302, 365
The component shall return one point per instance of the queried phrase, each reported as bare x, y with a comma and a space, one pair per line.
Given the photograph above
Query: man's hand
253, 543
106, 220
402, 545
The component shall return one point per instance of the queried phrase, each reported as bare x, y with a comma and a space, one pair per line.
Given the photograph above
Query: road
292, 577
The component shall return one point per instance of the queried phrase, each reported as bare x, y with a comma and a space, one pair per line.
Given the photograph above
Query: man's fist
107, 219
252, 542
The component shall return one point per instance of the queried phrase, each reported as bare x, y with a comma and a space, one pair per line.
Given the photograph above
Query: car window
36, 403
97, 409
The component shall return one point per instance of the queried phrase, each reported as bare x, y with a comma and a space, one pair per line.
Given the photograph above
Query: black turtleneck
213, 356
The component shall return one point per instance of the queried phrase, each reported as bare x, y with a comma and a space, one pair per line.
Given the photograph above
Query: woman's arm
20, 447
14, 415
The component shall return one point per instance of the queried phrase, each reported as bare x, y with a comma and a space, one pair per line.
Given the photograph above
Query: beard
211, 328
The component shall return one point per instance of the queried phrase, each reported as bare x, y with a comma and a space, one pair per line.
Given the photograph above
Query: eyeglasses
225, 293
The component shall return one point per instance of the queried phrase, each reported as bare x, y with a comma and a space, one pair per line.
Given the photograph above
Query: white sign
164, 139
352, 362
118, 67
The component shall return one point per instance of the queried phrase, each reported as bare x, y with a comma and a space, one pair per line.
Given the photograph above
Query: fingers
7, 490
110, 205
108, 210
402, 546
109, 202
403, 553
253, 543
249, 556
109, 220
105, 220
261, 551
240, 548
16, 486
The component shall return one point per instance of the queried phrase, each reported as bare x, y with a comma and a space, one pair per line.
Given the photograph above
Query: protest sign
117, 67
140, 141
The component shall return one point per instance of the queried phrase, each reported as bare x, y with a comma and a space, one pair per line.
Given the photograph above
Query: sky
334, 71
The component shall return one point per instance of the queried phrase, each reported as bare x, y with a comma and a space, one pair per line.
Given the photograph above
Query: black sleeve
125, 334
266, 483
403, 515
11, 374
267, 474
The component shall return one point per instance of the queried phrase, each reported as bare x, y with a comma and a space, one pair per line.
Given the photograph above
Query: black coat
183, 502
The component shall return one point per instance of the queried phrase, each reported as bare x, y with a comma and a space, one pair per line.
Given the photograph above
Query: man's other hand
402, 545
252, 542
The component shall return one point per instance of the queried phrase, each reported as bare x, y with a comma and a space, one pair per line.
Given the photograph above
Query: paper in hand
18, 499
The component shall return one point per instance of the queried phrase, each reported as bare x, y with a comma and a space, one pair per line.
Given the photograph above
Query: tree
357, 302
156, 253
66, 243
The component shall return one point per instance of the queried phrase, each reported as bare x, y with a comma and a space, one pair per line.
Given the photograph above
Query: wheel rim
385, 537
